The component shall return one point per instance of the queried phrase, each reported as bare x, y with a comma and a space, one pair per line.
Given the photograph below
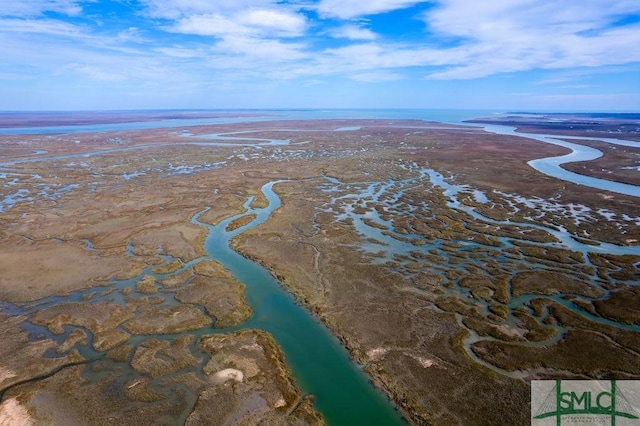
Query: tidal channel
321, 365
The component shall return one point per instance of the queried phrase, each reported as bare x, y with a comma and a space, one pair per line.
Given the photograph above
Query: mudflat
452, 271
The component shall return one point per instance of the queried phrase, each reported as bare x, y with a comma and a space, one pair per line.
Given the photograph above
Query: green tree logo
559, 403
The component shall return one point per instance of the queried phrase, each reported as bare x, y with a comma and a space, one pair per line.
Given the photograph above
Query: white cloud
353, 32
254, 22
493, 20
212, 25
375, 56
131, 34
521, 35
377, 77
484, 38
248, 40
181, 52
257, 50
578, 75
95, 72
32, 8
176, 9
347, 9
273, 21
54, 51
39, 26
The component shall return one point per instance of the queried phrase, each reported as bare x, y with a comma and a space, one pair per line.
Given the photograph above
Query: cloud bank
270, 42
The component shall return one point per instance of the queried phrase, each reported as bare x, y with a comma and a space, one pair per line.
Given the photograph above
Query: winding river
319, 362
551, 166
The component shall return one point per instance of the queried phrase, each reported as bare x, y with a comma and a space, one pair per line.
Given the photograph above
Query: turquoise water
321, 365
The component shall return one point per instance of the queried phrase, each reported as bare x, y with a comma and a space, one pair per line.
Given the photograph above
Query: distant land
593, 122
73, 118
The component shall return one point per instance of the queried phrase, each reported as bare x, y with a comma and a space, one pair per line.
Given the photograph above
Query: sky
197, 54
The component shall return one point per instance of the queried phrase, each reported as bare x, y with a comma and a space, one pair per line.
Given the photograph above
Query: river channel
319, 362
552, 166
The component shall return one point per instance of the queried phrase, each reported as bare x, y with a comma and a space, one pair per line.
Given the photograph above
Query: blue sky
140, 54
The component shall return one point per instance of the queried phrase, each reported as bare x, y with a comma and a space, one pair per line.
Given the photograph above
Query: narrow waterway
551, 166
387, 245
321, 365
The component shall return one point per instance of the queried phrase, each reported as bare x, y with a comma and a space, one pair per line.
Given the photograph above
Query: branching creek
384, 244
320, 364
